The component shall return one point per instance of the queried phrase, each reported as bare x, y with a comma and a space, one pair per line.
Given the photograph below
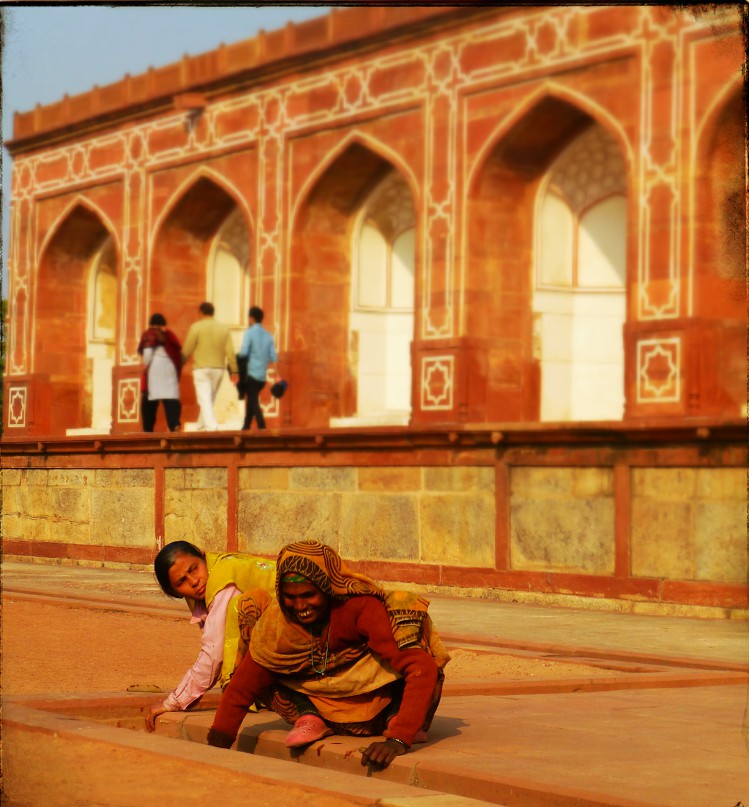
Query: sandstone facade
501, 250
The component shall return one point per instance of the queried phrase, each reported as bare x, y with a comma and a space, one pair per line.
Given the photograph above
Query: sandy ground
51, 648
56, 648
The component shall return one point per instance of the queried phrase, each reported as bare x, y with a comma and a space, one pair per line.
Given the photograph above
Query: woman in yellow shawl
365, 661
226, 593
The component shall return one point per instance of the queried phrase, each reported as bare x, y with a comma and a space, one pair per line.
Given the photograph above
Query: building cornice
499, 436
256, 61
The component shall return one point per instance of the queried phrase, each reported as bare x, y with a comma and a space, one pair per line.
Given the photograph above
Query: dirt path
56, 648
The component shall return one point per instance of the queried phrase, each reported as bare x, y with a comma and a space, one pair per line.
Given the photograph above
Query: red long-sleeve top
356, 620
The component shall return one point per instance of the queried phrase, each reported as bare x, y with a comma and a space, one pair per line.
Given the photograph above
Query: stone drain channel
119, 718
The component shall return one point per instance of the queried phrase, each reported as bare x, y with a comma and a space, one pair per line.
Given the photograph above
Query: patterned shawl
155, 337
279, 643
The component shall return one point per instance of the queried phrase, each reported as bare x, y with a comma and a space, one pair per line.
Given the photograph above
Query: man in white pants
210, 344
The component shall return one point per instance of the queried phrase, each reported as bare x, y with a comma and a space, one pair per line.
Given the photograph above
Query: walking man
259, 350
209, 342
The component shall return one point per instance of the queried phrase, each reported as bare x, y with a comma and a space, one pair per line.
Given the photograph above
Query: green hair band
293, 577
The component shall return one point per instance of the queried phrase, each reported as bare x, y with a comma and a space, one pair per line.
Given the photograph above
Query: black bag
278, 389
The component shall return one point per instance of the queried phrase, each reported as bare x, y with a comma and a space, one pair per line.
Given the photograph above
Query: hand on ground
380, 755
156, 710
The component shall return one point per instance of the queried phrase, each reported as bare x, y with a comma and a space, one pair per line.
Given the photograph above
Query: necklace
323, 658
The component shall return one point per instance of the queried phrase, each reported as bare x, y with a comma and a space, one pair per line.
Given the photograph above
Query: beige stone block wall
562, 519
432, 515
689, 524
280, 505
457, 514
393, 480
195, 507
122, 507
380, 526
268, 520
91, 507
322, 479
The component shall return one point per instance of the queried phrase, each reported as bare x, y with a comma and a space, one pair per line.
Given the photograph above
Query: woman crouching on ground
226, 593
337, 654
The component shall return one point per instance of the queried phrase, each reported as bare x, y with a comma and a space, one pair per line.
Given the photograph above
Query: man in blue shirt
259, 351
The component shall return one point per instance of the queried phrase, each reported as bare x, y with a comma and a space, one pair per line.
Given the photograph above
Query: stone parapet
654, 515
177, 82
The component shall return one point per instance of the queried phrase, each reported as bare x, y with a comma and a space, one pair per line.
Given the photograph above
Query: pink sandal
306, 730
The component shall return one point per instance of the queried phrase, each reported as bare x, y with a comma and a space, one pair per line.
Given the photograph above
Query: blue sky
49, 51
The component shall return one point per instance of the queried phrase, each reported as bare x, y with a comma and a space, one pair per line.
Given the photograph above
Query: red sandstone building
456, 219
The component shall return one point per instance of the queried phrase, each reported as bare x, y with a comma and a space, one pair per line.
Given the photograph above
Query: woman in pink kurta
226, 593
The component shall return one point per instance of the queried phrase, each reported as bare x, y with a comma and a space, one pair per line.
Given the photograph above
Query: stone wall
554, 517
82, 507
690, 523
423, 514
562, 519
195, 506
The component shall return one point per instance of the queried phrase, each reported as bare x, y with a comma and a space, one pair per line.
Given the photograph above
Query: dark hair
257, 313
157, 319
207, 309
164, 561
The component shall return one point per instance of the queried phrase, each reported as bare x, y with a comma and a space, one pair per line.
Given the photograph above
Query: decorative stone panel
79, 507
128, 400
17, 406
437, 383
689, 524
380, 526
562, 519
269, 520
195, 507
659, 370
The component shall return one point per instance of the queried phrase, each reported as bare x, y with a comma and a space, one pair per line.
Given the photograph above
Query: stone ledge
305, 780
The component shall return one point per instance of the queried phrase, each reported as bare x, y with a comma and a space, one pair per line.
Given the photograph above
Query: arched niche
501, 228
719, 248
75, 321
202, 252
720, 220
580, 280
340, 327
381, 322
203, 226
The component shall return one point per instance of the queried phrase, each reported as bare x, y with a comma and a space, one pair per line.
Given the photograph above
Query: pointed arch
371, 144
319, 283
579, 292
501, 191
201, 172
78, 366
182, 242
715, 109
79, 201
548, 91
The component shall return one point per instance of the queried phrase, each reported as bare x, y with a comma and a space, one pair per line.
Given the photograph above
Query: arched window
582, 224
102, 321
579, 298
382, 310
385, 266
228, 275
103, 291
